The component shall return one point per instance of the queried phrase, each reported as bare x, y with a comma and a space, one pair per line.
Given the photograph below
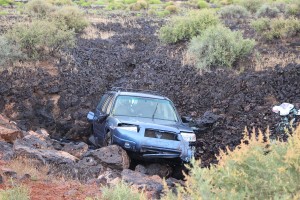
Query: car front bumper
152, 147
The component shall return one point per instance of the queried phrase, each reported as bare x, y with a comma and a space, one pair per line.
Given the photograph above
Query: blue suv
145, 124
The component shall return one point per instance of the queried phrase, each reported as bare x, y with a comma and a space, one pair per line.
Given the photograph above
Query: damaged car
146, 125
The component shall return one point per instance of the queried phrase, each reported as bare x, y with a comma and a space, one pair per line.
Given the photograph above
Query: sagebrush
277, 28
41, 37
218, 46
188, 26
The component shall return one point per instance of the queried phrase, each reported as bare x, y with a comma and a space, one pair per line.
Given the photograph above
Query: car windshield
144, 107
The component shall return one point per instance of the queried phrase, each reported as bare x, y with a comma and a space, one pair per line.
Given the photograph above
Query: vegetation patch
234, 12
9, 51
268, 10
41, 37
185, 27
219, 46
256, 169
277, 28
15, 193
121, 191
251, 5
72, 16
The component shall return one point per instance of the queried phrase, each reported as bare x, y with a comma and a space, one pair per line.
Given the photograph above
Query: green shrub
277, 28
72, 16
251, 5
129, 1
234, 12
219, 46
259, 170
267, 10
293, 9
172, 9
260, 24
121, 191
188, 26
6, 2
15, 193
154, 1
39, 8
163, 13
9, 51
84, 3
41, 37
116, 6
61, 2
202, 4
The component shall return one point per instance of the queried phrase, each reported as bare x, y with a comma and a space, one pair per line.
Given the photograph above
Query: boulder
162, 170
87, 168
24, 148
76, 150
9, 135
6, 151
111, 156
37, 140
151, 185
109, 177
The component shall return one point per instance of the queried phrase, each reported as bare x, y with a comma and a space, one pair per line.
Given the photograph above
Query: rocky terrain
57, 94
73, 162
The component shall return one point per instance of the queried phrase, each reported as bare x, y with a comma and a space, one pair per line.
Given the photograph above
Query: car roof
141, 94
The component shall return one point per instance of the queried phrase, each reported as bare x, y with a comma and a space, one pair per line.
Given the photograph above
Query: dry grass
27, 166
262, 62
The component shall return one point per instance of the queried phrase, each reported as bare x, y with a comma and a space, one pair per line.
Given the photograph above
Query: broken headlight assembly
189, 137
128, 127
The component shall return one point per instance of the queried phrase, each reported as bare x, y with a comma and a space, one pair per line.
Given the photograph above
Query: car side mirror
186, 119
90, 116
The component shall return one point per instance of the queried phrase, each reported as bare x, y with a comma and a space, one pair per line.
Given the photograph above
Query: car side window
102, 101
106, 104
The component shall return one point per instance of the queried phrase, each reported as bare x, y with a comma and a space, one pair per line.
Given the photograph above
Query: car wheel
108, 139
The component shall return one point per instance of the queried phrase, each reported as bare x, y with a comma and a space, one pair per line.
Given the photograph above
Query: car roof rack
122, 89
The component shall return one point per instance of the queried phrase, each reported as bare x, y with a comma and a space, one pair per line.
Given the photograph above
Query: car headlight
129, 128
189, 137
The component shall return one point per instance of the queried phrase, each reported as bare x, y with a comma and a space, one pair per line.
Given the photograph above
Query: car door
101, 113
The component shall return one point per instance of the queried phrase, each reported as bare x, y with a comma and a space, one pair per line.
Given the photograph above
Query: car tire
108, 139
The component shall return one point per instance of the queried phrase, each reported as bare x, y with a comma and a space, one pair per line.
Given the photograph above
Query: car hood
158, 124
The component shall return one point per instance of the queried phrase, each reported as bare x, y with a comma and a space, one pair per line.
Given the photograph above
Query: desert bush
141, 4
72, 16
268, 10
185, 27
61, 2
9, 51
202, 4
219, 46
84, 3
251, 5
276, 28
256, 169
129, 1
293, 9
16, 193
121, 191
6, 2
41, 37
116, 6
260, 24
39, 8
154, 1
162, 13
234, 11
172, 9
